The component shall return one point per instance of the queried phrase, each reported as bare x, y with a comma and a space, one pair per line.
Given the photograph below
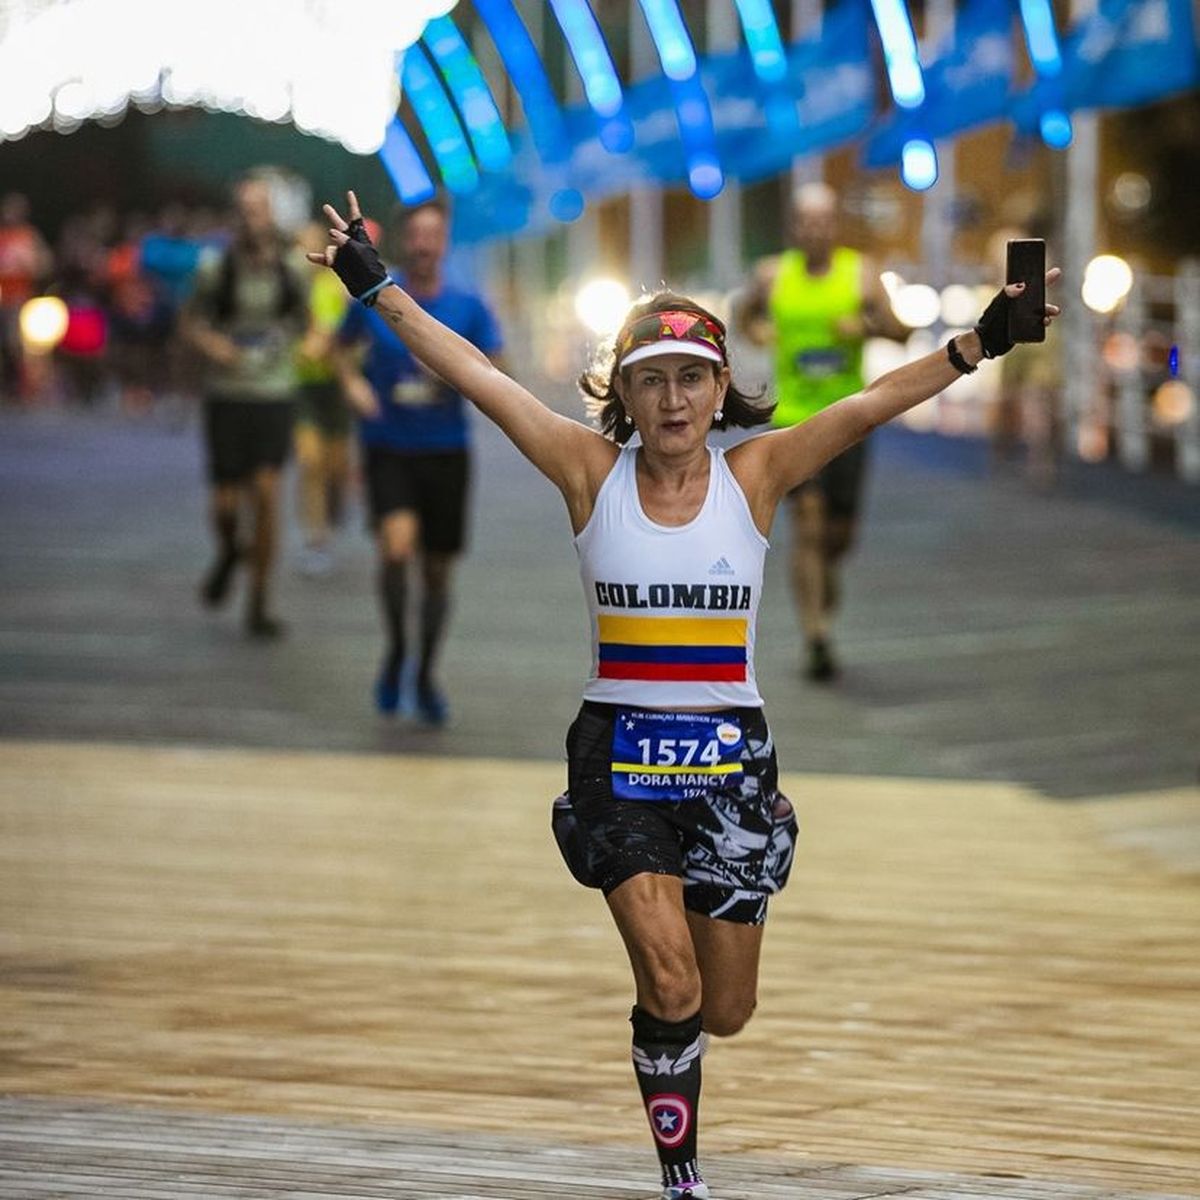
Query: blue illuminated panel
1041, 37
470, 91
590, 52
673, 44
528, 75
404, 165
439, 121
671, 38
899, 53
763, 39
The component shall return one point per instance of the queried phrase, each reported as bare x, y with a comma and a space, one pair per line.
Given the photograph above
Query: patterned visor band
662, 333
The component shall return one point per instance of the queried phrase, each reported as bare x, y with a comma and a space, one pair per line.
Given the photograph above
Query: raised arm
770, 466
570, 455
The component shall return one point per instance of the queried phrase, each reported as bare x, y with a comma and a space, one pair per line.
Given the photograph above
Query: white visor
670, 346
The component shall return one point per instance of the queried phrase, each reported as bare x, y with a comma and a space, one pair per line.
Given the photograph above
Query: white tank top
673, 607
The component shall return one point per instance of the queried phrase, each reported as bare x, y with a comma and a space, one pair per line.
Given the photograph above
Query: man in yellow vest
816, 303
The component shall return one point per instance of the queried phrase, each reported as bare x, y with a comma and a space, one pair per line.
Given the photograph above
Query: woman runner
672, 807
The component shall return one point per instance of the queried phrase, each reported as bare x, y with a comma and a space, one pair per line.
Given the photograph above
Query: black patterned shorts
733, 849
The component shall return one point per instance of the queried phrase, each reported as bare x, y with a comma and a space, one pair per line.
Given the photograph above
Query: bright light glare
1173, 402
62, 62
958, 304
601, 305
1106, 282
918, 165
43, 322
917, 305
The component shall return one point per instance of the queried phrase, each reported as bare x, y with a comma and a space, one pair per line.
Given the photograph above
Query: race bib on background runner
674, 756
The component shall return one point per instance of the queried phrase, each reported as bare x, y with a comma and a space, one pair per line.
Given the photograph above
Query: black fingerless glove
358, 265
993, 327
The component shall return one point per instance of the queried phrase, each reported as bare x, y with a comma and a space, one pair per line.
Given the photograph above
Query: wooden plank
73, 1149
961, 979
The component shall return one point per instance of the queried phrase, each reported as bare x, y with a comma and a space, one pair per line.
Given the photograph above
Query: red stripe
696, 672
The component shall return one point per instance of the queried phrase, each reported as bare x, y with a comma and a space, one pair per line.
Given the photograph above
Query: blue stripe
624, 652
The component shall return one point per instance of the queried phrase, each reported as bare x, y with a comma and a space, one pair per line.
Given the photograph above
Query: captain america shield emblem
670, 1119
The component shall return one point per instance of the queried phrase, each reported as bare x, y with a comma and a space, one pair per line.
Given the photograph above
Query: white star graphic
628, 724
666, 1120
664, 1064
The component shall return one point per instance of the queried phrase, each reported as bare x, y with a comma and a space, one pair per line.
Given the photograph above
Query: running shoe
431, 704
697, 1190
215, 587
821, 666
387, 690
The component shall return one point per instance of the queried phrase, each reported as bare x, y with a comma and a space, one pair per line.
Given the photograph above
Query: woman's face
672, 400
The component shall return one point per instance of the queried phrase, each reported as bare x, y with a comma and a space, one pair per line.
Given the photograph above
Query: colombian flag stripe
626, 653
734, 768
660, 671
672, 631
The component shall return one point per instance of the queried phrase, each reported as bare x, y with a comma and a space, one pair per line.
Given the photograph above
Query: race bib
674, 756
822, 362
416, 392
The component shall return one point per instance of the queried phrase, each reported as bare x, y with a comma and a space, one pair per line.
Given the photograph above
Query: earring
719, 415
628, 419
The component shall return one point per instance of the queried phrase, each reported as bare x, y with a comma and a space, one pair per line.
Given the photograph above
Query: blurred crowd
123, 279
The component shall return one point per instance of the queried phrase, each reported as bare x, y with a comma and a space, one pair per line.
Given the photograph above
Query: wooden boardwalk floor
962, 981
56, 1149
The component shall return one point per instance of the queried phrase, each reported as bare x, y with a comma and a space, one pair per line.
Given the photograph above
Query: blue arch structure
470, 91
764, 103
601, 84
1041, 39
439, 121
675, 51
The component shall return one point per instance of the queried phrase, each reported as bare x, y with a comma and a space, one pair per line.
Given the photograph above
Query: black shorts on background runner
733, 849
243, 436
434, 486
841, 480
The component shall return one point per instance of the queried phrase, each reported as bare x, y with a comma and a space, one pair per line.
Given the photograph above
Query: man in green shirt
815, 304
246, 317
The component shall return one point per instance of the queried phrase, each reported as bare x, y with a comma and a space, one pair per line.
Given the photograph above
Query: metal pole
1132, 443
529, 253
725, 210
807, 17
1187, 338
1079, 247
646, 200
937, 202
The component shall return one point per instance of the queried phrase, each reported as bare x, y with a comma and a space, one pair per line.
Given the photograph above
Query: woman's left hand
351, 254
993, 325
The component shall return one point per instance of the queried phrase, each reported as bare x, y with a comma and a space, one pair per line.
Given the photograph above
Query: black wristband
957, 361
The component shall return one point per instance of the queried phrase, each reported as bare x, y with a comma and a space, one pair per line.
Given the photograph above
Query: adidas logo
721, 567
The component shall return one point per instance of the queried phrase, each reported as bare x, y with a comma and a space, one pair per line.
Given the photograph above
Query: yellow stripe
642, 769
674, 631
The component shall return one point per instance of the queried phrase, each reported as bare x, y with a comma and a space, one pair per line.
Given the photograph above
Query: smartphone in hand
1027, 265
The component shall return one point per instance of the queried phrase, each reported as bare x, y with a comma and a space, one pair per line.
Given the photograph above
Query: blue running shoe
387, 690
431, 705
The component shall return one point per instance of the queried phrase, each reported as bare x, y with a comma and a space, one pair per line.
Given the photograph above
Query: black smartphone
1027, 265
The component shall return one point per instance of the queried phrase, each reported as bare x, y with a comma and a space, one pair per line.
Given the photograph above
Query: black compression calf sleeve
666, 1058
393, 589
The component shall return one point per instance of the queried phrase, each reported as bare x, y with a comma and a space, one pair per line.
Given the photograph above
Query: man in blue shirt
416, 458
